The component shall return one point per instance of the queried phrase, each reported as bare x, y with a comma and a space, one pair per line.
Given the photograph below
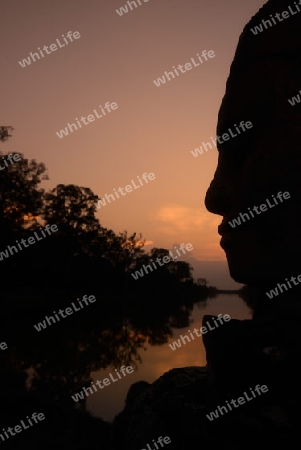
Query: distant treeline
81, 253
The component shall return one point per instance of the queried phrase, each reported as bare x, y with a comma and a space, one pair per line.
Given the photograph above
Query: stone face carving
267, 159
264, 74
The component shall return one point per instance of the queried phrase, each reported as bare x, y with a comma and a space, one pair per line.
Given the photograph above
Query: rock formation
265, 73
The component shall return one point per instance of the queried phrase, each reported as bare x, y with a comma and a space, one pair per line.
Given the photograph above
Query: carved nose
217, 199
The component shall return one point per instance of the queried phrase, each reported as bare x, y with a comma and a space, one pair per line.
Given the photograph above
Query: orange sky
154, 128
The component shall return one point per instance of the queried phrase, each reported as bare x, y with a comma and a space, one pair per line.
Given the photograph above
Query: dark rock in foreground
241, 355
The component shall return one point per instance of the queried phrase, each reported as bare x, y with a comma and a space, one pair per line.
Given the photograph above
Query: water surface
158, 359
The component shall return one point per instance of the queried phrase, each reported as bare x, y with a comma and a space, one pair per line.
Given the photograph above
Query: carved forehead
266, 69
280, 39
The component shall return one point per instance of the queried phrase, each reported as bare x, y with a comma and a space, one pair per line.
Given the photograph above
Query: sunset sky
115, 59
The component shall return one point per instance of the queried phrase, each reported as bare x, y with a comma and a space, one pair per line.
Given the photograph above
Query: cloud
195, 225
148, 243
177, 219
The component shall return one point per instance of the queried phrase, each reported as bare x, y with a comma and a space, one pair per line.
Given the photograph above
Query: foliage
81, 252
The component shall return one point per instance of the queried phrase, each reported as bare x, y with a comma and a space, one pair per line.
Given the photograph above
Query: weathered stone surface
266, 350
241, 354
172, 406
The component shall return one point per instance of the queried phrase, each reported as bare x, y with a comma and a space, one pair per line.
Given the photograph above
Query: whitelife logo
31, 240
35, 417
274, 292
15, 157
294, 100
68, 311
90, 118
53, 48
80, 395
124, 9
286, 195
203, 330
166, 260
128, 188
221, 139
285, 15
161, 440
241, 401
187, 66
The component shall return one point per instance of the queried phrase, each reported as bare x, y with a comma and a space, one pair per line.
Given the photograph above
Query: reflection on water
42, 370
155, 358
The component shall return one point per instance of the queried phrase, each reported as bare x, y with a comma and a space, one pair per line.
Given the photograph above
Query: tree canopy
82, 251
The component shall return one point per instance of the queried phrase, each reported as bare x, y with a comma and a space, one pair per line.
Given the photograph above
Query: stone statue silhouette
262, 252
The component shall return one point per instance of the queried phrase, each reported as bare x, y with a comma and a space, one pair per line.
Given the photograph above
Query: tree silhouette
4, 133
201, 282
21, 199
72, 207
181, 270
81, 253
